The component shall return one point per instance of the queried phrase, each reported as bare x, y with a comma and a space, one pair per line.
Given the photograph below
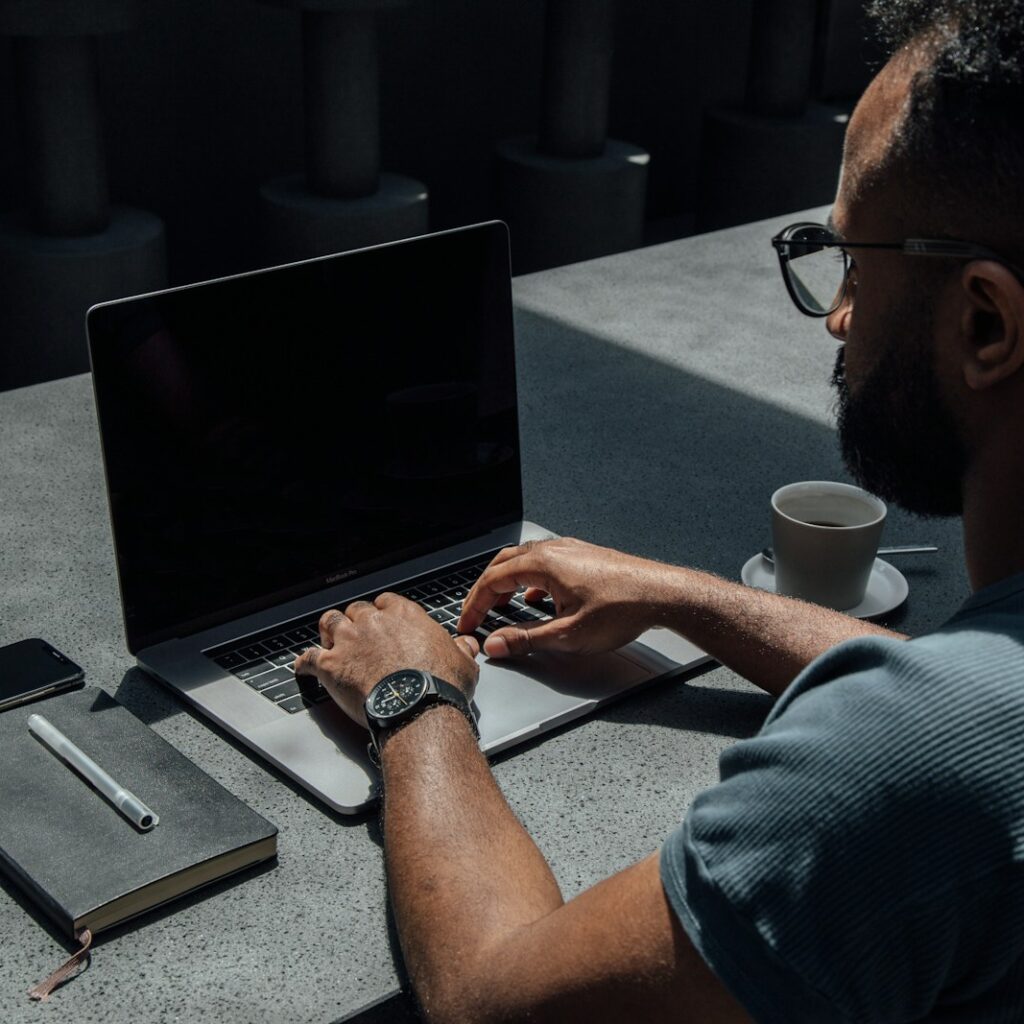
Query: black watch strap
449, 694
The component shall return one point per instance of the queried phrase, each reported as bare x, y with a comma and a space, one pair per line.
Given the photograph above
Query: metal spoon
903, 549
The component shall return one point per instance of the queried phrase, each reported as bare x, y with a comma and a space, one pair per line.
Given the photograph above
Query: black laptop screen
270, 434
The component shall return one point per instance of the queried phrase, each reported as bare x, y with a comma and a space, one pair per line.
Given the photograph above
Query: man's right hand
603, 598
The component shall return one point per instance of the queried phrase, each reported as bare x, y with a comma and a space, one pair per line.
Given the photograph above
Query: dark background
202, 102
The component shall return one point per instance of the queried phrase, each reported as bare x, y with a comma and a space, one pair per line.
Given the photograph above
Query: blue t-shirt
862, 857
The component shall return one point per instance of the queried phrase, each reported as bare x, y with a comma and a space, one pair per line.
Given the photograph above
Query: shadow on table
668, 464
399, 1009
689, 705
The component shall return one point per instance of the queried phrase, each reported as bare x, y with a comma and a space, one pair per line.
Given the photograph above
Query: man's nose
838, 321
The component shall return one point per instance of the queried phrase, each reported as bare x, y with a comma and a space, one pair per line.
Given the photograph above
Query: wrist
670, 594
437, 724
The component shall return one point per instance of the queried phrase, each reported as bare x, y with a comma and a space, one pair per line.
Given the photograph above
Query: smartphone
30, 669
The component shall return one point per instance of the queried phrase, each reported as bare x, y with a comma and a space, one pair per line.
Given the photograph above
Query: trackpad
517, 695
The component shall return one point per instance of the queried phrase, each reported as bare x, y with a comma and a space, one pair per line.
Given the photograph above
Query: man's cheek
854, 372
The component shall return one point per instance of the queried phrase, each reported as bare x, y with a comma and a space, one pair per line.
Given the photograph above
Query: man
861, 858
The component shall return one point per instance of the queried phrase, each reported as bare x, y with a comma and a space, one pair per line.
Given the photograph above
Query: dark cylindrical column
58, 97
577, 77
47, 283
341, 102
781, 56
72, 248
562, 210
343, 200
748, 167
755, 166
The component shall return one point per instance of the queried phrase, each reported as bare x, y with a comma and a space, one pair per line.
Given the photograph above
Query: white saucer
887, 586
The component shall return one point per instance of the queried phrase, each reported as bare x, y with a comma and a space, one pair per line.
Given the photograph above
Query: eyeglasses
816, 264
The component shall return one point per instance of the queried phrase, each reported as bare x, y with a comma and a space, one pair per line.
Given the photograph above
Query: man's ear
992, 324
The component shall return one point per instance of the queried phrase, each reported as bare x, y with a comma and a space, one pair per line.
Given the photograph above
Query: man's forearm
462, 871
765, 638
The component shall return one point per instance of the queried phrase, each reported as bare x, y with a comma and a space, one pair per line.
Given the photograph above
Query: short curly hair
961, 142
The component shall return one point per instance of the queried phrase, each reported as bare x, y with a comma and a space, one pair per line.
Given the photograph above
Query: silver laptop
289, 440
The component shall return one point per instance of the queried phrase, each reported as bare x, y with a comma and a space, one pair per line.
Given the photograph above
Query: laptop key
526, 615
456, 593
545, 605
430, 587
301, 633
268, 679
251, 668
440, 615
293, 704
285, 657
276, 643
496, 621
436, 601
452, 580
285, 689
253, 651
414, 594
230, 660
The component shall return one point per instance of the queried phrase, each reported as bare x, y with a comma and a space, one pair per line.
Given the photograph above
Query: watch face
395, 694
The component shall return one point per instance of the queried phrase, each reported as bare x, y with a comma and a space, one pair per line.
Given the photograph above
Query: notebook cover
67, 847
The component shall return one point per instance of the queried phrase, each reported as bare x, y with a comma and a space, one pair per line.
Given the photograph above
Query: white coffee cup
825, 537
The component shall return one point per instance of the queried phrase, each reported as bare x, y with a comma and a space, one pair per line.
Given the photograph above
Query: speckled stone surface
665, 393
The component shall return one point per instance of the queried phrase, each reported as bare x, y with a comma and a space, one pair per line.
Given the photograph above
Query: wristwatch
403, 695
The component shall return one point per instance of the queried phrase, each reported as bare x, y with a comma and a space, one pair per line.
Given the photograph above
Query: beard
898, 438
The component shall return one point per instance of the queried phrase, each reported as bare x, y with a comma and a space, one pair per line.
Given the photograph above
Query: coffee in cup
825, 537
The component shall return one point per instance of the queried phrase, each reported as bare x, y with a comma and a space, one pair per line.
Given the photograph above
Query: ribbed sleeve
862, 857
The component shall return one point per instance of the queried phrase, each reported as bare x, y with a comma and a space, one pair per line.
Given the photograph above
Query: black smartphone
30, 669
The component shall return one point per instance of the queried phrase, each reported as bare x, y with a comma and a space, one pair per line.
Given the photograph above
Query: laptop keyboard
264, 661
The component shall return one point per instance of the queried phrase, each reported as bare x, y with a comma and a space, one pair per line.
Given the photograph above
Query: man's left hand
366, 642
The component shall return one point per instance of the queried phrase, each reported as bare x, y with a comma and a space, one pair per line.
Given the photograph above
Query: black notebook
73, 852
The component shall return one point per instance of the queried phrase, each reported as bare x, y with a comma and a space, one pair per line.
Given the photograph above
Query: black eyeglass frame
942, 247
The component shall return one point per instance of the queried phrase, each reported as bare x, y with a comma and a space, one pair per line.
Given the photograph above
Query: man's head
932, 367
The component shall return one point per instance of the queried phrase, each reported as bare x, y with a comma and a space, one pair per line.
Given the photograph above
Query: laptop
286, 441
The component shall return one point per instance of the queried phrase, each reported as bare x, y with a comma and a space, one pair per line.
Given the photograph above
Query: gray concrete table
665, 393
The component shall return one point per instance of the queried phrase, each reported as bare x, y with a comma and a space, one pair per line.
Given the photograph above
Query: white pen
124, 800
